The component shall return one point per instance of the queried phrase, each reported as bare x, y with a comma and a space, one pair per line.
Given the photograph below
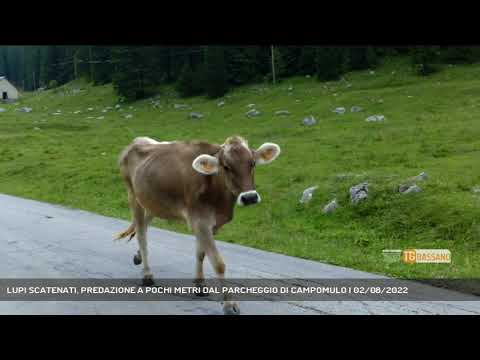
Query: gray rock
421, 177
25, 109
2, 110
195, 115
180, 106
36, 128
356, 109
403, 187
282, 112
77, 112
251, 105
372, 72
330, 207
90, 109
252, 113
117, 106
290, 88
308, 194
476, 190
221, 103
101, 117
358, 192
128, 116
309, 121
375, 118
307, 76
339, 110
412, 189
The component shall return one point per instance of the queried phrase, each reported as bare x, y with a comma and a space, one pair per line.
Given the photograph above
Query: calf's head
236, 162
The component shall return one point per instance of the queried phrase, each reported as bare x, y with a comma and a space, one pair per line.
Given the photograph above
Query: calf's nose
249, 198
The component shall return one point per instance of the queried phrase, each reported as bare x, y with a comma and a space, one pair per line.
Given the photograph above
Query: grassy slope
71, 160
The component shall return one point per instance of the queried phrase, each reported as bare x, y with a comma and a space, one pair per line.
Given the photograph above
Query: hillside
432, 125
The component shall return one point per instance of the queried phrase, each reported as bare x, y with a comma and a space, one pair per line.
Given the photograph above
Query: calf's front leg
206, 242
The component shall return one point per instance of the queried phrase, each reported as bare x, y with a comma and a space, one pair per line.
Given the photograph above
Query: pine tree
306, 61
424, 59
331, 62
216, 84
185, 84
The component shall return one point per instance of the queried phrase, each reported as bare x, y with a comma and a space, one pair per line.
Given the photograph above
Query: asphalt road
39, 240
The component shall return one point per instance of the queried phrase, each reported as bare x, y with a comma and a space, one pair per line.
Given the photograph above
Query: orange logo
409, 256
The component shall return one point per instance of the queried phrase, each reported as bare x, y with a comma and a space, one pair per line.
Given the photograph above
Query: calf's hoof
199, 284
231, 308
137, 259
147, 281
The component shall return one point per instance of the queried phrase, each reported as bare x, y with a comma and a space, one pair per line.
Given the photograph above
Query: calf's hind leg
142, 219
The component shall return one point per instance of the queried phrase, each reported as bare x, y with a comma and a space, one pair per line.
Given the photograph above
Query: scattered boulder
308, 194
253, 112
375, 118
348, 85
77, 112
297, 101
410, 185
476, 190
290, 88
309, 121
282, 112
421, 177
330, 207
372, 72
251, 105
57, 113
356, 109
36, 128
25, 109
2, 110
90, 109
180, 106
307, 76
101, 117
339, 110
411, 189
221, 103
195, 115
104, 110
128, 116
117, 106
358, 192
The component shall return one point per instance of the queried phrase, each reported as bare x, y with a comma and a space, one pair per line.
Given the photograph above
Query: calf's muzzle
248, 198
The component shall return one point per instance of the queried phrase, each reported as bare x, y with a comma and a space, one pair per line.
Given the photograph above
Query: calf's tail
129, 231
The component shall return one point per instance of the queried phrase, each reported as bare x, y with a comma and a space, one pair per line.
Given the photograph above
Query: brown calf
197, 182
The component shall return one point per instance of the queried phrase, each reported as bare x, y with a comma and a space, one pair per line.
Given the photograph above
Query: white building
7, 90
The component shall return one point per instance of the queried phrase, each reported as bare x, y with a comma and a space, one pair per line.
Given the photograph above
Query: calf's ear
266, 153
206, 164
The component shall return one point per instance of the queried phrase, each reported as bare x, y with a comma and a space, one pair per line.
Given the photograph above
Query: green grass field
433, 125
